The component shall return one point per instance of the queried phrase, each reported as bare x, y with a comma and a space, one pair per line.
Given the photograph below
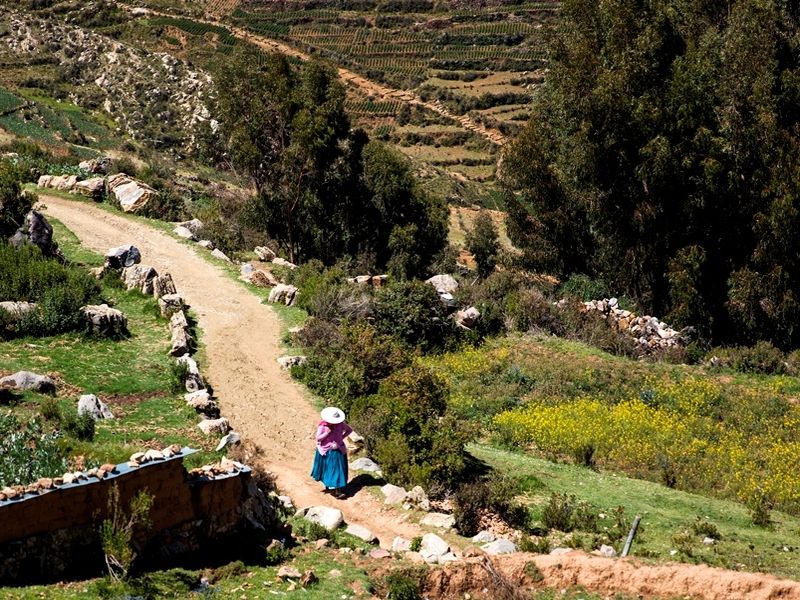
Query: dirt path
242, 338
373, 88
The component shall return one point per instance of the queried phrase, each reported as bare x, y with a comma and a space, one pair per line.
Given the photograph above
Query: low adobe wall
54, 535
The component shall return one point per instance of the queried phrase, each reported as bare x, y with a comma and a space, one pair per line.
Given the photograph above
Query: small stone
393, 494
217, 253
365, 464
153, 455
287, 572
379, 553
308, 578
184, 232
433, 547
484, 537
329, 518
92, 405
709, 541
607, 551
108, 467
137, 457
207, 244
499, 546
287, 362
68, 478
220, 426
361, 533
322, 543
401, 545
230, 439
448, 557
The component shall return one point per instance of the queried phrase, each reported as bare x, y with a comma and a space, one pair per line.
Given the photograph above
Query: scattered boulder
264, 253
169, 304
163, 286
282, 262
182, 341
93, 188
37, 231
139, 277
65, 183
131, 194
499, 546
230, 439
25, 380
123, 256
401, 545
467, 318
283, 294
365, 464
288, 572
99, 165
202, 402
379, 281
354, 441
441, 520
220, 426
207, 244
432, 548
91, 404
193, 381
418, 498
447, 557
194, 226
361, 533
263, 279
308, 579
393, 494
379, 553
330, 518
104, 320
287, 362
444, 284
17, 310
184, 232
561, 551
607, 551
217, 253
483, 537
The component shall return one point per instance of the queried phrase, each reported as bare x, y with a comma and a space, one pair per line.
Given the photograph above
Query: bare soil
270, 410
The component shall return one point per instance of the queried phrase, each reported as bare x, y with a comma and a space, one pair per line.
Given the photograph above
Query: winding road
242, 340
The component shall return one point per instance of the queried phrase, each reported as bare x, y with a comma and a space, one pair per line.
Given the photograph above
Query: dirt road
242, 339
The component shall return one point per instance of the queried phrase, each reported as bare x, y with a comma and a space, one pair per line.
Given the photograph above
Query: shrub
119, 529
565, 513
81, 425
27, 452
402, 587
493, 495
179, 372
49, 409
482, 242
14, 204
408, 433
583, 288
324, 293
706, 528
166, 205
412, 312
763, 358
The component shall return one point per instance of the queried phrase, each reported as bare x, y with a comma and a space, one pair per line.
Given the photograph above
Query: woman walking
330, 458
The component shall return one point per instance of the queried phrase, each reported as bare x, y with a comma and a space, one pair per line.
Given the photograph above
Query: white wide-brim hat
332, 415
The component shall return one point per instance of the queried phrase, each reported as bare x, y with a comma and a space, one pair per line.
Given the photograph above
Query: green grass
665, 512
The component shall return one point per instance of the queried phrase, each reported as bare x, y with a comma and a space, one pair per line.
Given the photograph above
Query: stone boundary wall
54, 535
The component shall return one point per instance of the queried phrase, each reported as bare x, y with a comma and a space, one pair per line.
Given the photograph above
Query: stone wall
54, 535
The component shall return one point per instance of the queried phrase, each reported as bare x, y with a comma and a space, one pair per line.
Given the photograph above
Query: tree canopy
663, 155
323, 190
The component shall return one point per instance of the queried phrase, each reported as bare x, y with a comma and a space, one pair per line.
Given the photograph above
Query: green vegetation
668, 168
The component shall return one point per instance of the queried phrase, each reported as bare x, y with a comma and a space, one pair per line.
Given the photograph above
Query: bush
118, 531
763, 358
27, 452
482, 242
706, 529
14, 204
402, 587
167, 206
324, 293
81, 426
583, 288
60, 290
346, 361
412, 312
179, 372
495, 495
565, 513
49, 409
408, 433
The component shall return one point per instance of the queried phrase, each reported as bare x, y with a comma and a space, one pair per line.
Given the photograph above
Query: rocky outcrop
131, 194
264, 253
648, 333
104, 320
444, 284
98, 166
92, 405
139, 277
93, 188
262, 279
123, 256
17, 310
37, 231
182, 340
283, 294
169, 304
163, 286
26, 381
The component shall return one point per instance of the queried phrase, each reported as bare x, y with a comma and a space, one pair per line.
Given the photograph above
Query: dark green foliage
348, 360
491, 495
27, 452
706, 529
179, 371
583, 288
402, 587
49, 409
408, 432
60, 290
662, 156
482, 242
81, 426
566, 513
412, 312
762, 357
166, 205
322, 191
14, 204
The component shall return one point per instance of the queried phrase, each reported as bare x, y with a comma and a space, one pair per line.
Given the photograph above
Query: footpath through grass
667, 515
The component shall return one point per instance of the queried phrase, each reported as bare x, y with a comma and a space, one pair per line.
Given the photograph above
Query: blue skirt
330, 469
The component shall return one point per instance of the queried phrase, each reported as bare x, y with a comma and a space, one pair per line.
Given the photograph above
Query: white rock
441, 520
287, 362
329, 518
499, 546
217, 253
25, 380
417, 497
484, 537
560, 551
447, 557
709, 541
91, 404
195, 226
283, 294
444, 284
282, 262
220, 426
433, 547
230, 439
361, 533
184, 232
207, 244
365, 464
607, 551
401, 545
264, 253
393, 494
468, 317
